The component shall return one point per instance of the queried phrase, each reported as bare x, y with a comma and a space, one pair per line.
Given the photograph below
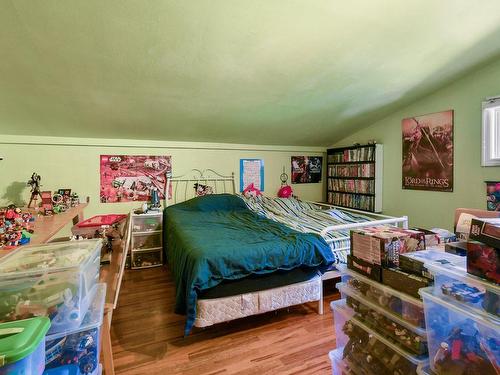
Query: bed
233, 258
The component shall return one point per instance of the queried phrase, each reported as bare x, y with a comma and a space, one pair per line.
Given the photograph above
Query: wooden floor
147, 335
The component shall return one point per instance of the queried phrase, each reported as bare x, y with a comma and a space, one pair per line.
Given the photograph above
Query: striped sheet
310, 218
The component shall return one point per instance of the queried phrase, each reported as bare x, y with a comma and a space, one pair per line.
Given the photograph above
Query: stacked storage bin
22, 346
59, 281
379, 329
463, 321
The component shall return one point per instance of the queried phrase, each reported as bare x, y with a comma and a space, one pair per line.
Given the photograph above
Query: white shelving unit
146, 240
354, 177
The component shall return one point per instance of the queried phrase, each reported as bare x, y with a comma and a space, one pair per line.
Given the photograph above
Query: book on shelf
352, 186
360, 202
365, 153
357, 170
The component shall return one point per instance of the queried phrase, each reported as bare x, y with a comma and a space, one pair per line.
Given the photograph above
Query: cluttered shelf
46, 227
351, 192
419, 298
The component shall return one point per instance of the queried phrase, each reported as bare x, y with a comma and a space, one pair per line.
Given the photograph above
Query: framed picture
428, 152
252, 172
306, 169
493, 195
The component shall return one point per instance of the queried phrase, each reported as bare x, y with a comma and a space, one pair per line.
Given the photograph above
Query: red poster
127, 178
428, 152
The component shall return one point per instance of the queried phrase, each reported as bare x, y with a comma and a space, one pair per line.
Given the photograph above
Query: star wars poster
306, 169
127, 178
428, 152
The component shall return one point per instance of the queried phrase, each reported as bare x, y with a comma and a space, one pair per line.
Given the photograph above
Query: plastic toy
285, 191
251, 191
15, 226
464, 352
373, 356
34, 183
388, 328
462, 292
79, 349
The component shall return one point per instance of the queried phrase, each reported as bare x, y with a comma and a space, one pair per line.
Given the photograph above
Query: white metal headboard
182, 187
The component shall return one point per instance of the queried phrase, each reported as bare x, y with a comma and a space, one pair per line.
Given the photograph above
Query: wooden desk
46, 227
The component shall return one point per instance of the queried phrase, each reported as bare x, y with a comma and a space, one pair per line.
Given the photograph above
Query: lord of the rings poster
428, 152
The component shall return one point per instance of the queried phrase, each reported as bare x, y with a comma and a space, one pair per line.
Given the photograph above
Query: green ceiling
262, 72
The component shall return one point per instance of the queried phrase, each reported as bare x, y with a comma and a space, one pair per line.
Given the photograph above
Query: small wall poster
493, 195
306, 169
428, 152
251, 171
128, 178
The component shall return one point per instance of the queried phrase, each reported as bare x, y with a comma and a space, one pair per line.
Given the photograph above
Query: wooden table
46, 227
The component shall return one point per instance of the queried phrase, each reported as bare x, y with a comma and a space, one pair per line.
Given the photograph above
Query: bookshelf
354, 177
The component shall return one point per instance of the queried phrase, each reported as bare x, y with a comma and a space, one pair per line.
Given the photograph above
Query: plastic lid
20, 338
351, 292
93, 318
492, 323
393, 292
99, 220
437, 256
340, 306
458, 271
50, 257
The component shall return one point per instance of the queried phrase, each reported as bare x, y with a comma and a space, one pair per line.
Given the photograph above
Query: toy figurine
34, 183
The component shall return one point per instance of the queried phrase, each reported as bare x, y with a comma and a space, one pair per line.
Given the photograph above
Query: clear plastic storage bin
339, 366
22, 346
341, 315
460, 342
146, 259
51, 280
368, 352
404, 306
147, 222
452, 282
385, 322
146, 241
78, 349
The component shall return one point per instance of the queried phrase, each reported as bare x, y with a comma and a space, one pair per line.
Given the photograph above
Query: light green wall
74, 163
430, 209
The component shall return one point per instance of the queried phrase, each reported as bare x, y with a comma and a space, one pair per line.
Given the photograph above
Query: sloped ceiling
262, 72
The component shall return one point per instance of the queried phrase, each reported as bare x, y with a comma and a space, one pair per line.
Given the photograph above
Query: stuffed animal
251, 191
285, 191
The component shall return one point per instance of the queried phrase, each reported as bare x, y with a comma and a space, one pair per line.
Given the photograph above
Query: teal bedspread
216, 237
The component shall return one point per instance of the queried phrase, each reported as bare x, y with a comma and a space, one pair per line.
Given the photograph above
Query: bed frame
218, 310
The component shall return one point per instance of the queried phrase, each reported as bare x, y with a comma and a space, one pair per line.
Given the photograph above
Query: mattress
254, 283
217, 310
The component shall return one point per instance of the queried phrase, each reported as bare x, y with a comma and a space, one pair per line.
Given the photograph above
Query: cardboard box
483, 261
457, 248
404, 282
372, 271
486, 231
431, 238
382, 245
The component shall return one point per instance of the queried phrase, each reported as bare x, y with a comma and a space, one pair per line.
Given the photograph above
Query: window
491, 132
